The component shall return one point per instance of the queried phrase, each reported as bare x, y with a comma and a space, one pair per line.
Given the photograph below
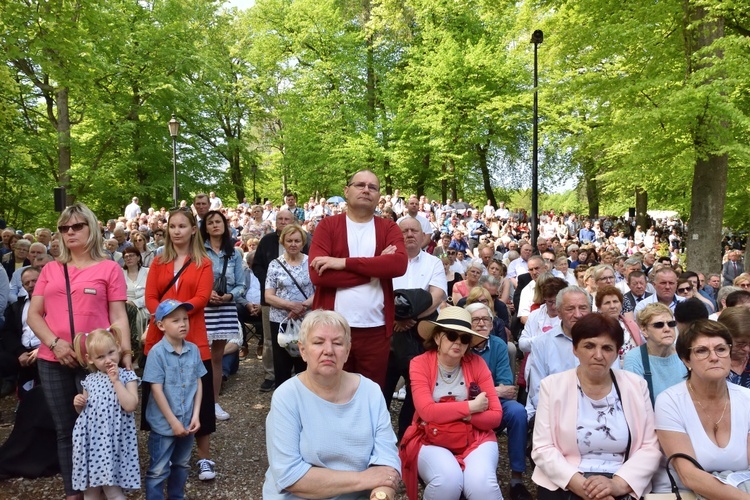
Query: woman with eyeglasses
453, 391
473, 273
705, 416
742, 281
135, 279
140, 242
600, 276
79, 292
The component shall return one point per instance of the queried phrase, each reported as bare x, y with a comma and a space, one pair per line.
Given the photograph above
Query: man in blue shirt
494, 352
586, 235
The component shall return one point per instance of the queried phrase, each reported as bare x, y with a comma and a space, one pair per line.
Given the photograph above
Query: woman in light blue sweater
664, 368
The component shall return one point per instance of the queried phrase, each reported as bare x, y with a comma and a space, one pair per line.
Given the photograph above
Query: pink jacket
556, 451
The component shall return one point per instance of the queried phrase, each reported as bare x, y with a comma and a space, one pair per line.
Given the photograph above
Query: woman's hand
602, 487
296, 310
479, 403
64, 353
380, 475
215, 299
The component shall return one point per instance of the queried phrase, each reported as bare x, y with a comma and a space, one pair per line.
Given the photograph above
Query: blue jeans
514, 418
170, 462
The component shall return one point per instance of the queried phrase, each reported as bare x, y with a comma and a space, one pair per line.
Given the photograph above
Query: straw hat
453, 318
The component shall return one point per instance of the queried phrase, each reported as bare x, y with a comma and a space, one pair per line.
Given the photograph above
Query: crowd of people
592, 348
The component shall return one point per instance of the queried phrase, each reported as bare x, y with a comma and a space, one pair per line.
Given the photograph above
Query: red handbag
453, 436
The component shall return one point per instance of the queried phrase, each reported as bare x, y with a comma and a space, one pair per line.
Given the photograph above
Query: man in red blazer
353, 258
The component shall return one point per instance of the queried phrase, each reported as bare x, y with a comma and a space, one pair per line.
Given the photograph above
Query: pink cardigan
556, 451
423, 374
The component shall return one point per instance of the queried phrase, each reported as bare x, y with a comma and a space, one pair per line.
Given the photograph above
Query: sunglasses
685, 290
75, 227
453, 336
660, 324
451, 252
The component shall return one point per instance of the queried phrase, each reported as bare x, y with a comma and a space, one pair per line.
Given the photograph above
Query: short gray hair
476, 306
490, 280
321, 317
568, 290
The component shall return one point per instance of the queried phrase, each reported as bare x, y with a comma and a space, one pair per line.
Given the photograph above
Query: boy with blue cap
174, 369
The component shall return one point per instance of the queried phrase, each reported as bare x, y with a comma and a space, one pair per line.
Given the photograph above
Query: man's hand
506, 391
321, 264
403, 325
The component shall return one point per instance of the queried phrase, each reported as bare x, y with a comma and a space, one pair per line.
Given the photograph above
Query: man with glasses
353, 260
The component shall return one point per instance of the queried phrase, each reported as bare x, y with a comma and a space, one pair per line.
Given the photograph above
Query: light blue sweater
305, 431
665, 372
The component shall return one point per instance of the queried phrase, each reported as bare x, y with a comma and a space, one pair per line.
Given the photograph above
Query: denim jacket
235, 274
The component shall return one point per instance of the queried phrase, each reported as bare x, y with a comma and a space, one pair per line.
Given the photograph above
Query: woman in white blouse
135, 279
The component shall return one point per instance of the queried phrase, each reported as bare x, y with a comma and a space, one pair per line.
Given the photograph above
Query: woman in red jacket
184, 272
453, 396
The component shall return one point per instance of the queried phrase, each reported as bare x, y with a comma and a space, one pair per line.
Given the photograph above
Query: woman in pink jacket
594, 435
454, 396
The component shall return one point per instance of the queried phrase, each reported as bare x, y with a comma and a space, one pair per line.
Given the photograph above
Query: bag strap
672, 482
224, 270
619, 396
290, 275
174, 279
70, 302
647, 372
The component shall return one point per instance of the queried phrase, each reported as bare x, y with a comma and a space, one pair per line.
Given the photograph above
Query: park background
642, 104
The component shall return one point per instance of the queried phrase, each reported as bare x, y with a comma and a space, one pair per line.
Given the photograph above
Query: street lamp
174, 128
536, 38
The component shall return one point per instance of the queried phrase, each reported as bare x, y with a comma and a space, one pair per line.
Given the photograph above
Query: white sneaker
206, 468
220, 413
402, 394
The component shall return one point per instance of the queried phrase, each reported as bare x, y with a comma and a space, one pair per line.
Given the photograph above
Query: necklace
726, 402
447, 376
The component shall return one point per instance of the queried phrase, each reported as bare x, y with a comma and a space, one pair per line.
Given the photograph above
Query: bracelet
54, 343
127, 352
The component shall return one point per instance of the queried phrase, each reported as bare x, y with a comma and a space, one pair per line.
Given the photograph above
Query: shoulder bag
288, 336
220, 285
174, 279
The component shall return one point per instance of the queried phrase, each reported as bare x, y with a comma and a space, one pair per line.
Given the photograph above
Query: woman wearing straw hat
451, 443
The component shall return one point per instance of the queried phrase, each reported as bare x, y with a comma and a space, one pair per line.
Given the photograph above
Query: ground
238, 448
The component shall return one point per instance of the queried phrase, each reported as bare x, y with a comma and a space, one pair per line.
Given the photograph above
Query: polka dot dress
105, 449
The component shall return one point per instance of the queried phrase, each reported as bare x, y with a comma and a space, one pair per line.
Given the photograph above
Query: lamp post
536, 38
174, 128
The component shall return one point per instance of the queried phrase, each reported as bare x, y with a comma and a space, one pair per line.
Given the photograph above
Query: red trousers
369, 353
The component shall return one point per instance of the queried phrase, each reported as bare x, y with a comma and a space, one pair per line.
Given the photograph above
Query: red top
330, 240
193, 286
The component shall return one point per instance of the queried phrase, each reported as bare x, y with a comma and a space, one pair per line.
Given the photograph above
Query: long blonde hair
197, 251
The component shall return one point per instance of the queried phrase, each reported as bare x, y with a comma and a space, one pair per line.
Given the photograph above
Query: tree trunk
592, 191
710, 172
641, 208
482, 154
63, 143
444, 183
452, 178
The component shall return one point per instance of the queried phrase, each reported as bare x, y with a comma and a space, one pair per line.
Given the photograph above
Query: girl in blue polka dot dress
105, 448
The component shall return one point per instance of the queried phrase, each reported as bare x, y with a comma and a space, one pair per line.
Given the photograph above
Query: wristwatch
380, 495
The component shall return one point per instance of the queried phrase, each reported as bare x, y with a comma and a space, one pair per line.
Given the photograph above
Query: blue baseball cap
168, 306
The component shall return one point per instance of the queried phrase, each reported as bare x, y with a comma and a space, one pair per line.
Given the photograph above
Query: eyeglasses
606, 278
453, 336
365, 185
687, 289
482, 319
129, 255
660, 324
702, 351
744, 285
75, 227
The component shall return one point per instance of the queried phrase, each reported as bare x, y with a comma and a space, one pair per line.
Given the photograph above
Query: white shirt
526, 300
517, 268
538, 323
651, 299
215, 203
28, 338
551, 353
423, 271
361, 305
132, 211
